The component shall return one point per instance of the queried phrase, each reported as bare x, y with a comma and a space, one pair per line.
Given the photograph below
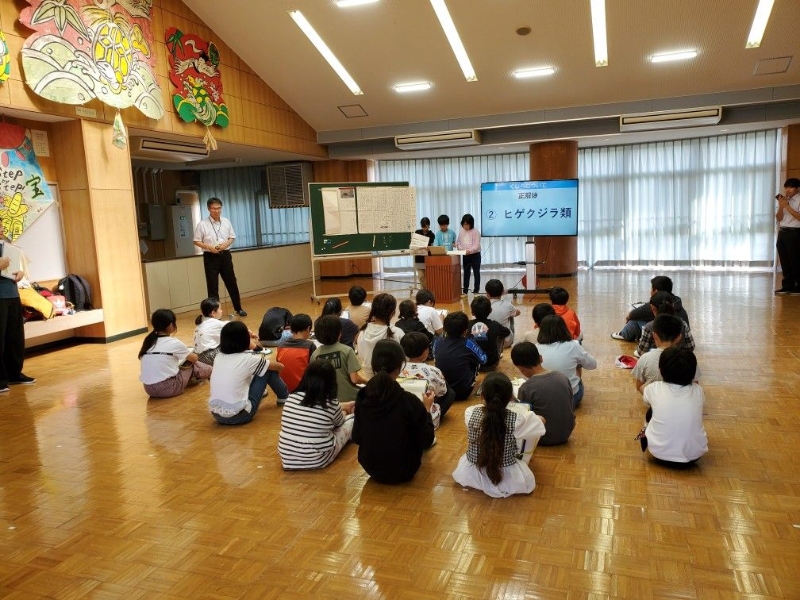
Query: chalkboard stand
357, 246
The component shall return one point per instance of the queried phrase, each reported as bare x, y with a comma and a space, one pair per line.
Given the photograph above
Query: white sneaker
618, 336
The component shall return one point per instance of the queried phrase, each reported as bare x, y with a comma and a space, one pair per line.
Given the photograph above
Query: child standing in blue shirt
445, 237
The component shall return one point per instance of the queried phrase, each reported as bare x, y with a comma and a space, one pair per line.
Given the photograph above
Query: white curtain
698, 202
246, 204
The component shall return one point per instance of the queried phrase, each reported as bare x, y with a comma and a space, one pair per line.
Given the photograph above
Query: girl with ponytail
494, 437
208, 326
663, 303
377, 328
391, 427
167, 365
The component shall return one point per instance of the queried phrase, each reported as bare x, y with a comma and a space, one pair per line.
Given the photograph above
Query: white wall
180, 284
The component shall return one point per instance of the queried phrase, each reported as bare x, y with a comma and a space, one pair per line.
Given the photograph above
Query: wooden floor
108, 495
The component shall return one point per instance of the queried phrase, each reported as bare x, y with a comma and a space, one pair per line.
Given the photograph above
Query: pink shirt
469, 240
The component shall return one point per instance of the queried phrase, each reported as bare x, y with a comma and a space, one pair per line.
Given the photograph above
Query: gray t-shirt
550, 395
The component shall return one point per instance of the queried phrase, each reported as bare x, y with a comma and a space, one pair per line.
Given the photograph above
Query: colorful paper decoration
24, 193
194, 71
85, 49
5, 59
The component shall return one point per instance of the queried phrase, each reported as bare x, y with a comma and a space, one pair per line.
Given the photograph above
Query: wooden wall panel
293, 134
790, 159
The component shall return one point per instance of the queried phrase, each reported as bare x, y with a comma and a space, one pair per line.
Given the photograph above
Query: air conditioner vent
445, 139
166, 150
287, 184
693, 117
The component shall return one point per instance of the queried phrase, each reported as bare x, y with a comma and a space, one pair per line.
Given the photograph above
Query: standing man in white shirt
788, 217
215, 236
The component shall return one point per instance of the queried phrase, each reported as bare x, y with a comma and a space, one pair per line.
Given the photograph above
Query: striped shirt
306, 438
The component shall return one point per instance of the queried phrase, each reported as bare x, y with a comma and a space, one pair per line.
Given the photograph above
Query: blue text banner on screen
529, 208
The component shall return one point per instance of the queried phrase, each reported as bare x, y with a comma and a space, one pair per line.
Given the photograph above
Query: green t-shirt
345, 362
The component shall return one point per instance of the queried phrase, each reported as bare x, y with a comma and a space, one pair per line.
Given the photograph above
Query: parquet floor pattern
108, 495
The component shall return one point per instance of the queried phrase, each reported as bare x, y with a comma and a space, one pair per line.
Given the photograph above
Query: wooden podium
443, 276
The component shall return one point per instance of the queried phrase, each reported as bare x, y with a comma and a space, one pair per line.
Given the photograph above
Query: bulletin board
348, 218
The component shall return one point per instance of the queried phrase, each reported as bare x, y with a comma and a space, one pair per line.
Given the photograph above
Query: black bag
77, 291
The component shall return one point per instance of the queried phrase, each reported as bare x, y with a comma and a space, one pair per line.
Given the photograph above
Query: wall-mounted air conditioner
287, 184
671, 119
445, 139
167, 151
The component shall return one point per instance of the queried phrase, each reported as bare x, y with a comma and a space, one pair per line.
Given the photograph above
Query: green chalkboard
363, 217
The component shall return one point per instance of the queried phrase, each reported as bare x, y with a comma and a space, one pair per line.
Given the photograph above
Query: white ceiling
397, 41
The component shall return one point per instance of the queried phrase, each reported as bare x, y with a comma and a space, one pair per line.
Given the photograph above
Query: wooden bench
59, 328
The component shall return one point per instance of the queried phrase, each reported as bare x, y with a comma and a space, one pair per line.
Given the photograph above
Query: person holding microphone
788, 245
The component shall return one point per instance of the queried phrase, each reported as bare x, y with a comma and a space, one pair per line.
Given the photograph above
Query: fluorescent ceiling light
446, 21
759, 23
412, 87
672, 56
540, 72
599, 33
349, 3
323, 49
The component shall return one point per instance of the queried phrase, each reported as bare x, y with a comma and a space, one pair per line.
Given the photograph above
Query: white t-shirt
206, 335
163, 360
430, 317
230, 381
504, 312
676, 431
566, 357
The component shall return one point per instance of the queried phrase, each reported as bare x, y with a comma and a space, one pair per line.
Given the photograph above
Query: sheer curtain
246, 204
697, 202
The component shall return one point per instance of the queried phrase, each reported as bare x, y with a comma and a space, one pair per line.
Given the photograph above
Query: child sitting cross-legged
328, 330
240, 377
377, 328
458, 357
548, 393
488, 334
491, 464
662, 303
409, 321
561, 353
314, 425
167, 364
392, 427
503, 311
674, 433
294, 353
206, 332
559, 298
415, 347
539, 312
667, 331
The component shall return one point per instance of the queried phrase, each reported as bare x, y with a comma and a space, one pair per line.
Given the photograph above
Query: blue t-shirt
445, 238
